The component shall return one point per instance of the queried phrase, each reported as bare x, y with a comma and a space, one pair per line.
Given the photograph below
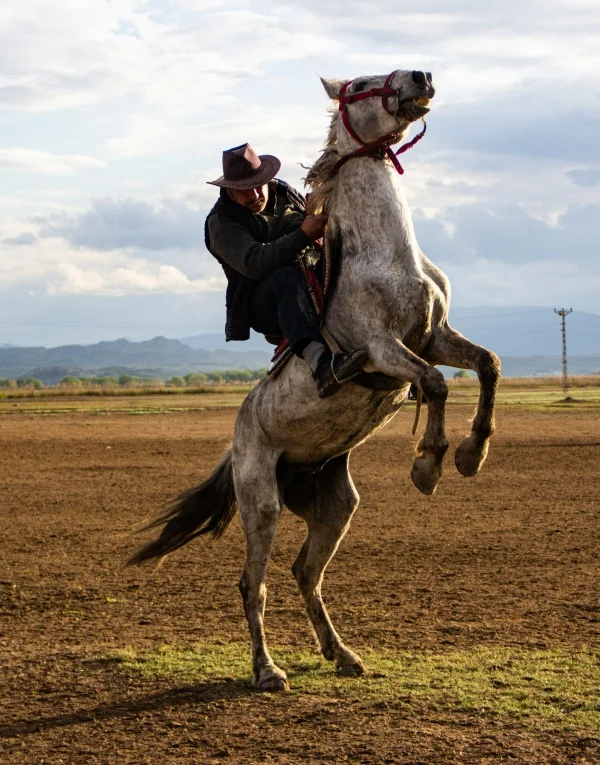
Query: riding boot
332, 371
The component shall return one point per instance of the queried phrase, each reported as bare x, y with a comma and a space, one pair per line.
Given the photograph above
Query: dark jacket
250, 246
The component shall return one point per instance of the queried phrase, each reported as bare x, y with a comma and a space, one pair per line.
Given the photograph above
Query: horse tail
206, 509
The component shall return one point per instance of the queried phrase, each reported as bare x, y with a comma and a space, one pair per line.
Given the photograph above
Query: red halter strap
382, 145
386, 92
393, 155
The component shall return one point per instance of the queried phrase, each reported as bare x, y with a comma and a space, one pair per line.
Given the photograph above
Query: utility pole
563, 313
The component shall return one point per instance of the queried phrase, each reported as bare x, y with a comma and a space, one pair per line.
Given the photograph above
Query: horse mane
320, 178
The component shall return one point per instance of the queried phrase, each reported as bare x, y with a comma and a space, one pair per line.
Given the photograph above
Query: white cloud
22, 239
153, 90
56, 54
49, 164
492, 283
52, 266
204, 5
137, 277
129, 223
585, 176
440, 181
29, 264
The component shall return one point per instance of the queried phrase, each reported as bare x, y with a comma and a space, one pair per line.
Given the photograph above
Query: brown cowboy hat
243, 169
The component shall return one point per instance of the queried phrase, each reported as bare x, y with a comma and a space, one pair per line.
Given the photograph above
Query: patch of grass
120, 391
147, 404
524, 394
530, 396
546, 381
551, 688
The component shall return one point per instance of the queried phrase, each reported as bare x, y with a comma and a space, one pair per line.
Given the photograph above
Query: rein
380, 148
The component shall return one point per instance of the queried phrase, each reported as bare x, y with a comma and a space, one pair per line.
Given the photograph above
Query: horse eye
360, 86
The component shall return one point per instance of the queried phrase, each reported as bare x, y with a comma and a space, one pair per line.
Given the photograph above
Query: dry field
476, 610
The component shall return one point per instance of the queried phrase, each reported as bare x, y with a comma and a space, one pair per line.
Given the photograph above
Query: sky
114, 114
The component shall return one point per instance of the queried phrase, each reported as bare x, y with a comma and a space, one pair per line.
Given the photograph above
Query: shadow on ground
173, 698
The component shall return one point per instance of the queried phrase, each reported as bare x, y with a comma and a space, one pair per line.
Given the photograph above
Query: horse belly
307, 429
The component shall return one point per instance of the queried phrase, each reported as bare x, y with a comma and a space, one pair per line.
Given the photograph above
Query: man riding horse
256, 231
389, 299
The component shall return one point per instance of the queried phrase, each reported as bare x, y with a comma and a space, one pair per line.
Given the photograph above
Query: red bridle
380, 147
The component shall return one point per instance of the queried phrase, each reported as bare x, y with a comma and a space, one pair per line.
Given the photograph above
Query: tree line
191, 380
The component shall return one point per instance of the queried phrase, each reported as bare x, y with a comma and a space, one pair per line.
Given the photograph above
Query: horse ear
332, 87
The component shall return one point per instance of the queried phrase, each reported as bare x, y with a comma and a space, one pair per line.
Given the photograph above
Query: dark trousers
281, 305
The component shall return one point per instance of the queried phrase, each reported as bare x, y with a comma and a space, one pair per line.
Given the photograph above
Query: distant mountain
508, 330
527, 339
528, 330
159, 357
535, 366
216, 341
532, 366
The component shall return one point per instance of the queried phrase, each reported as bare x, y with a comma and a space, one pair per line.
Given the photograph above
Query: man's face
254, 199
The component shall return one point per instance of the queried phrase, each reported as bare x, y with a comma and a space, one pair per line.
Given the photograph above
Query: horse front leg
393, 358
451, 348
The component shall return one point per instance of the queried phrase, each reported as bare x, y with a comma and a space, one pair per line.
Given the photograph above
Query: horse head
378, 108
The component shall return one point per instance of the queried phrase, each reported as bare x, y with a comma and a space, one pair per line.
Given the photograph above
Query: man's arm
234, 245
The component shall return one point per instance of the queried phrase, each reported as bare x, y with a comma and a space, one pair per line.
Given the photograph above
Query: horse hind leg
472, 452
427, 467
259, 502
326, 501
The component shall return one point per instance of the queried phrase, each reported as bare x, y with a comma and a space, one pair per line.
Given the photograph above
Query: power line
97, 326
495, 331
160, 326
516, 313
457, 320
494, 315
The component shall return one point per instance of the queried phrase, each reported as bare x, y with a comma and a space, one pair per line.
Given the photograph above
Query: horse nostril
419, 78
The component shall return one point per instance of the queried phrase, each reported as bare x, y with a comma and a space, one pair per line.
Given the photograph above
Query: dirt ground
509, 558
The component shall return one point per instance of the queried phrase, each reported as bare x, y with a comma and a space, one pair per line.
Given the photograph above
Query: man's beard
257, 205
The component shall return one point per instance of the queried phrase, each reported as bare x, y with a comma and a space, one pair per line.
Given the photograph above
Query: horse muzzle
416, 106
424, 84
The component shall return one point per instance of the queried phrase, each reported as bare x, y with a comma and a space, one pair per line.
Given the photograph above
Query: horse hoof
470, 456
356, 669
425, 474
273, 681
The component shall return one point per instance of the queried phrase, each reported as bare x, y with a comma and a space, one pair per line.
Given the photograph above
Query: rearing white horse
292, 447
